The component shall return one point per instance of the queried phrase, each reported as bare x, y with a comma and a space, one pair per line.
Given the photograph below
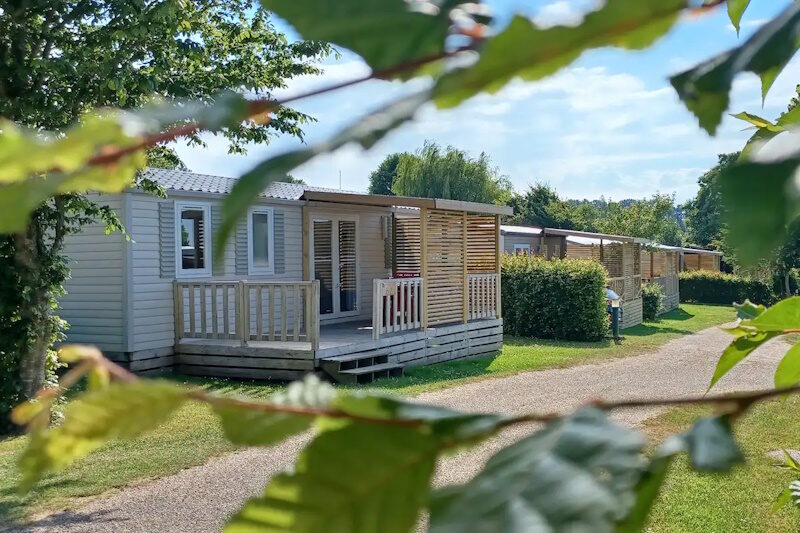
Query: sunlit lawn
193, 435
742, 500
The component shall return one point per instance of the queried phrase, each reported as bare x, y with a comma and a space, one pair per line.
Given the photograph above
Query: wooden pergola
447, 251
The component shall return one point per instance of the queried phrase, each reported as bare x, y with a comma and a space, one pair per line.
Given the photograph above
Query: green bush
652, 300
562, 299
703, 286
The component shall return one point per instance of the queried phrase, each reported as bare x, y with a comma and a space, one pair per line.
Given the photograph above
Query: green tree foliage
60, 59
704, 222
653, 218
541, 206
382, 178
433, 172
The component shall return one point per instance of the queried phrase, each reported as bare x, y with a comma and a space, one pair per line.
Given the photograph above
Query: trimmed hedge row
703, 286
563, 299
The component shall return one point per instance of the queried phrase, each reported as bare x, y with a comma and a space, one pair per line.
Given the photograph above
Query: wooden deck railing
396, 305
628, 288
482, 295
247, 310
668, 283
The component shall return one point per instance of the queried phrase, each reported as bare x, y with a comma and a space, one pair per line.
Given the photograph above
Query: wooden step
368, 374
373, 368
356, 356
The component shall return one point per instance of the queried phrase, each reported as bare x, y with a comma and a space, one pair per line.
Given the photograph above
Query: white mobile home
314, 279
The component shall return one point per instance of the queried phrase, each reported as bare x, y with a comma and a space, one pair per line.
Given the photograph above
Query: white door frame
334, 220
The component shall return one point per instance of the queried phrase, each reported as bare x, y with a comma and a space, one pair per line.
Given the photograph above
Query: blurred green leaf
248, 426
740, 348
705, 88
788, 372
532, 53
366, 131
784, 315
711, 445
650, 484
757, 121
768, 131
748, 310
736, 9
444, 423
577, 474
384, 32
121, 411
361, 478
760, 202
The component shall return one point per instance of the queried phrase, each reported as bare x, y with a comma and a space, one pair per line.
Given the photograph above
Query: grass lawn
520, 354
740, 501
193, 435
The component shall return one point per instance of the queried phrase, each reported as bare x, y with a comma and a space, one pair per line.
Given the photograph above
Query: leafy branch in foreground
579, 471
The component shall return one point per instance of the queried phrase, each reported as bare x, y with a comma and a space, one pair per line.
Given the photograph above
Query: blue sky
609, 124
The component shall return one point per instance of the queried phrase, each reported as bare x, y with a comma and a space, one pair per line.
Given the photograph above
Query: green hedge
562, 299
652, 300
703, 286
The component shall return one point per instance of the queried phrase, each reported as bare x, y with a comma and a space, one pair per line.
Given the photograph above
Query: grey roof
182, 180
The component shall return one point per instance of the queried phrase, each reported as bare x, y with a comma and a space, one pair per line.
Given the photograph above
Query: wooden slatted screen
481, 244
444, 281
406, 245
612, 260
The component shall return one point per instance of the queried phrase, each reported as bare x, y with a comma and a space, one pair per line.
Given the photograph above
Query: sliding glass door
335, 261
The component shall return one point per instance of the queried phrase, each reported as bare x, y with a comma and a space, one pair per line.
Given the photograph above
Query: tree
652, 219
541, 206
382, 178
60, 59
704, 214
451, 174
291, 179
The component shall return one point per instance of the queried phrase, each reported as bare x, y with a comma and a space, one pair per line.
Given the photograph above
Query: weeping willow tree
433, 172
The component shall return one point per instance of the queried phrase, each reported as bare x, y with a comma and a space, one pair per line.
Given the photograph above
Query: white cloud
564, 13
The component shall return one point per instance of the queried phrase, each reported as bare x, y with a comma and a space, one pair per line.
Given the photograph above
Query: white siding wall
94, 303
152, 322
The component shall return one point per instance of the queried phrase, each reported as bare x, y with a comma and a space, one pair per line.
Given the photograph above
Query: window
261, 241
193, 239
522, 249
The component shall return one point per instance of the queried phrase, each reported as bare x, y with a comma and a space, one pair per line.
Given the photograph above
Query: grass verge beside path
741, 500
522, 354
193, 435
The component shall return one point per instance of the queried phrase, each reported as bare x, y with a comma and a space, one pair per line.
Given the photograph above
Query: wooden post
305, 245
652, 253
177, 300
243, 308
423, 261
498, 265
314, 323
465, 299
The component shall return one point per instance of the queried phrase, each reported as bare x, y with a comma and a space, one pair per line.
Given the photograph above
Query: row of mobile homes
314, 280
620, 255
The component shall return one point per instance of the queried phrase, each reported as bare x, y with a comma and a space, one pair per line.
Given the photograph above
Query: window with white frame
522, 249
260, 236
193, 239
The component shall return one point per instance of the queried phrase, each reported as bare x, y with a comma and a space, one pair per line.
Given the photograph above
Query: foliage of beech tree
578, 471
61, 59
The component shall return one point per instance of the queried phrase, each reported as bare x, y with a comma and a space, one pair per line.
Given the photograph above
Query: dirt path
200, 498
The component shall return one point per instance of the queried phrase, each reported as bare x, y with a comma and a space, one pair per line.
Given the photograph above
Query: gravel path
199, 498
